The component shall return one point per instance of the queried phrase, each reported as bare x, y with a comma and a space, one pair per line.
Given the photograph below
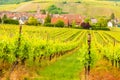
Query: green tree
0, 20
4, 18
54, 10
112, 16
59, 23
73, 23
87, 20
43, 11
102, 22
32, 21
11, 21
48, 19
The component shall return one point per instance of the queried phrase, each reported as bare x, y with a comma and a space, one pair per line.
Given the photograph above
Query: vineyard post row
19, 44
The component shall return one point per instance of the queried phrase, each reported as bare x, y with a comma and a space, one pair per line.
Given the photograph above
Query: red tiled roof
42, 16
68, 19
55, 19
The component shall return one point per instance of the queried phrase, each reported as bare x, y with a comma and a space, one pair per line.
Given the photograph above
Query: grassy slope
87, 7
11, 7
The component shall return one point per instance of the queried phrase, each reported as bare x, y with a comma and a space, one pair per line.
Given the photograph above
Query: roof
68, 18
55, 19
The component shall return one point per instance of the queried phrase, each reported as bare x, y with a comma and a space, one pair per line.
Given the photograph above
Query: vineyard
57, 53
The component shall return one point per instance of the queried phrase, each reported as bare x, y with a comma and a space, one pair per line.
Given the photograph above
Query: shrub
32, 21
101, 28
85, 25
48, 19
53, 9
10, 21
64, 2
59, 23
49, 25
78, 2
0, 20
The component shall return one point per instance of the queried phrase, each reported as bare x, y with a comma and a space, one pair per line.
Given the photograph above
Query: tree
73, 23
11, 21
4, 18
102, 22
64, 2
112, 16
43, 11
78, 2
85, 25
0, 20
87, 20
54, 10
48, 19
32, 21
59, 23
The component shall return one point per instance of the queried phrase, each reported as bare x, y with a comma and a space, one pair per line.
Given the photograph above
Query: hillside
85, 7
12, 1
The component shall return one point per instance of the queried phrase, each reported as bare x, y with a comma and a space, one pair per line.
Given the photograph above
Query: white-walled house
21, 22
110, 24
93, 20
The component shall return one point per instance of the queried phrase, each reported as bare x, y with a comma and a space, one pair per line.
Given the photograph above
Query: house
41, 18
68, 19
56, 18
78, 19
110, 24
21, 22
93, 20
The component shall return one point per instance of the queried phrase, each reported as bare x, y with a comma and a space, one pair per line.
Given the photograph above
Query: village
68, 19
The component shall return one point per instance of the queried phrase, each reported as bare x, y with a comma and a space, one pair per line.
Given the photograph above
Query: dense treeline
12, 1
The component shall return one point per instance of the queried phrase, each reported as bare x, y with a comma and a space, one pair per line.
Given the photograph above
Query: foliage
48, 19
59, 23
64, 2
102, 22
100, 28
54, 9
42, 42
6, 20
4, 17
78, 2
73, 24
10, 21
32, 21
112, 16
0, 20
87, 20
85, 25
43, 11
49, 25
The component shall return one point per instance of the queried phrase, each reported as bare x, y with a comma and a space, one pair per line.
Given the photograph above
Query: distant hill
90, 8
12, 1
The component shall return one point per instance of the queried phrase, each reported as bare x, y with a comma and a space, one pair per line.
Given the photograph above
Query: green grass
67, 68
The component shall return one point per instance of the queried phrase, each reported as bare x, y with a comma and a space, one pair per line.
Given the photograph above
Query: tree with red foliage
85, 25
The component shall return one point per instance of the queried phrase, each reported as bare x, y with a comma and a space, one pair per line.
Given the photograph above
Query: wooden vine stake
87, 65
89, 52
